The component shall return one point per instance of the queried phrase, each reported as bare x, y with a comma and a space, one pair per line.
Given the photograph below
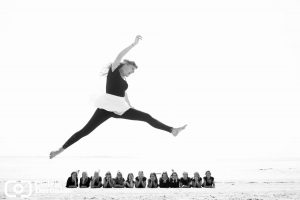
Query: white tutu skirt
112, 103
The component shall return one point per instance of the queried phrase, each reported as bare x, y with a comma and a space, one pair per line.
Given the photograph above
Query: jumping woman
115, 103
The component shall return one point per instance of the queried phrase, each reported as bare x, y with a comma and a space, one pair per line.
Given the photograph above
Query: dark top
209, 181
174, 183
115, 84
70, 182
86, 182
185, 182
137, 180
97, 182
194, 182
164, 183
119, 181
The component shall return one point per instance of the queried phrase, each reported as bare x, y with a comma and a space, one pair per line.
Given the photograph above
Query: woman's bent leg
134, 114
99, 117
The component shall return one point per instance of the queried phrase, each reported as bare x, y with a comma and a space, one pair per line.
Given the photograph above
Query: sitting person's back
72, 181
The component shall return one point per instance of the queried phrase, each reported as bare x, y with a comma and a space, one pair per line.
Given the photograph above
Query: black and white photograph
150, 100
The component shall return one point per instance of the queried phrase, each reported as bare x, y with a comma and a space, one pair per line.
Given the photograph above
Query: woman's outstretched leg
99, 116
134, 114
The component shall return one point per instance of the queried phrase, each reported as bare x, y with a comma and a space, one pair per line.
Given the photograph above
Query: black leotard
115, 84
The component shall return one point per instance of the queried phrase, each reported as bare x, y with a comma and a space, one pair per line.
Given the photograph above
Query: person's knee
147, 116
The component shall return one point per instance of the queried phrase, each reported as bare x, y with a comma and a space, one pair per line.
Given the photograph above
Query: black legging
101, 115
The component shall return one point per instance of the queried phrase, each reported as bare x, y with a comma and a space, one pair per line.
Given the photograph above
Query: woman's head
84, 174
153, 176
164, 175
196, 175
119, 175
96, 174
141, 174
207, 174
108, 174
74, 174
185, 175
174, 175
127, 67
130, 176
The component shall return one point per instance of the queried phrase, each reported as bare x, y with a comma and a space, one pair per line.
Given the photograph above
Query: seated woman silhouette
174, 180
208, 180
152, 181
115, 103
72, 181
129, 183
96, 181
108, 181
84, 180
119, 181
196, 181
140, 180
164, 181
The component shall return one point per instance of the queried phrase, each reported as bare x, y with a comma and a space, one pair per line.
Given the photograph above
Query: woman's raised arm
124, 51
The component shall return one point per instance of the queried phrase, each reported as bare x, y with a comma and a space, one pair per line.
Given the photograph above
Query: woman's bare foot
175, 131
55, 153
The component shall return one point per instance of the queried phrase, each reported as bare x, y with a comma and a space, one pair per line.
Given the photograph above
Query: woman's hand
137, 38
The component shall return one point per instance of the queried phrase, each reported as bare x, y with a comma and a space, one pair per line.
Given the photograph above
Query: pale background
229, 69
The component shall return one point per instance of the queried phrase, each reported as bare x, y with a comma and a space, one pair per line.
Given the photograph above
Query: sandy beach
224, 191
39, 178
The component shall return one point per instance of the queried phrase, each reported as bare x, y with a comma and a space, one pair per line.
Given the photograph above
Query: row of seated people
141, 181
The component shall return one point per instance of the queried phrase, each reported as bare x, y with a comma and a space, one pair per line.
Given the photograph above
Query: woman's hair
173, 174
125, 61
129, 175
197, 174
207, 172
73, 173
154, 174
119, 173
166, 173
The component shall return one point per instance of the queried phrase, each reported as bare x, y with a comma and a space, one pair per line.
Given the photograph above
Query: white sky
229, 69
